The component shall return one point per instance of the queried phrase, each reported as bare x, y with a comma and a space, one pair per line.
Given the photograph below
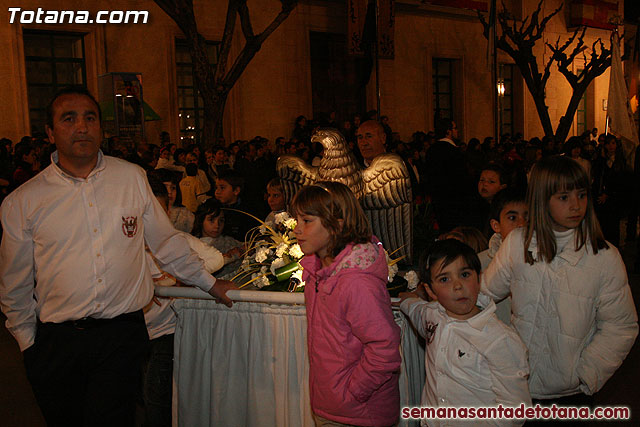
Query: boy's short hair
449, 250
503, 198
275, 183
191, 169
233, 178
495, 168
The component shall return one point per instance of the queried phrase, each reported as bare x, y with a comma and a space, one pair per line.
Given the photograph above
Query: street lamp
500, 87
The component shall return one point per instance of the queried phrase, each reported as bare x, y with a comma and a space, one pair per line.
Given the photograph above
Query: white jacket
575, 315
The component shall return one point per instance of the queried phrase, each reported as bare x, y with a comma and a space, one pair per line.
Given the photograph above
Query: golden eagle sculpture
384, 188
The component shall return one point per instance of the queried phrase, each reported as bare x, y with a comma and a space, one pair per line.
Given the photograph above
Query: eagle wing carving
294, 173
387, 202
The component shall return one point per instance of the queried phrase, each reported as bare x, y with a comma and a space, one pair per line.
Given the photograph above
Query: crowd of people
86, 233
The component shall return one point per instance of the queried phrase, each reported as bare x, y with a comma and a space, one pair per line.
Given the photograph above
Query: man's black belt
92, 322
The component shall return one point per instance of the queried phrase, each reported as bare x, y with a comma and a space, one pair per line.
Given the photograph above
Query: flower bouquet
271, 260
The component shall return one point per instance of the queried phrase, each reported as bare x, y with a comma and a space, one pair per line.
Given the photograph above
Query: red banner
593, 13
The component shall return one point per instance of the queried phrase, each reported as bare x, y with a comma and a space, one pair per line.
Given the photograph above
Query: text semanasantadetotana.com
41, 16
521, 412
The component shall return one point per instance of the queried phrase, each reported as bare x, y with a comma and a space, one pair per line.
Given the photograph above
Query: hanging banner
356, 15
386, 20
621, 122
593, 13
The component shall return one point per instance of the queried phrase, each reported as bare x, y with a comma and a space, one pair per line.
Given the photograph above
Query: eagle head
329, 138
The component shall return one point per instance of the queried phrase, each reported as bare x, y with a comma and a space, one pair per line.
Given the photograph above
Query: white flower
279, 262
393, 269
281, 249
263, 269
412, 279
262, 253
295, 251
281, 217
298, 275
263, 229
290, 223
260, 280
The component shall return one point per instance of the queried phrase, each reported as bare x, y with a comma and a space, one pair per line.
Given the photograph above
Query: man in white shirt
73, 276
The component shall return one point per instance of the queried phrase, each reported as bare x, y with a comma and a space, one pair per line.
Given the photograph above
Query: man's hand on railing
219, 291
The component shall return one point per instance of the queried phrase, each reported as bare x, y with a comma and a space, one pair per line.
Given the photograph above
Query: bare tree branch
253, 45
225, 44
214, 82
518, 41
245, 21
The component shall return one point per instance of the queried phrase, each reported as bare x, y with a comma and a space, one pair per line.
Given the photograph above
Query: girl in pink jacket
353, 341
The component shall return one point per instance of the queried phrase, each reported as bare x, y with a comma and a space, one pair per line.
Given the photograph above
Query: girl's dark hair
448, 250
174, 177
210, 207
339, 211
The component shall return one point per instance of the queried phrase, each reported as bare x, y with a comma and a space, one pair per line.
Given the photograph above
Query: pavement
19, 409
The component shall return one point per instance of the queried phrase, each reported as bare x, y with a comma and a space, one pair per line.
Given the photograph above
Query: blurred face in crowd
275, 199
76, 132
172, 190
30, 157
453, 133
220, 157
208, 156
225, 193
370, 136
512, 216
610, 146
489, 184
191, 158
212, 226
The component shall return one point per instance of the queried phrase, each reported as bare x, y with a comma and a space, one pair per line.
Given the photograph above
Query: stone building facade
278, 84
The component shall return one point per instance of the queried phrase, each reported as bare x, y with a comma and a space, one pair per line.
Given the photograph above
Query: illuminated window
190, 103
